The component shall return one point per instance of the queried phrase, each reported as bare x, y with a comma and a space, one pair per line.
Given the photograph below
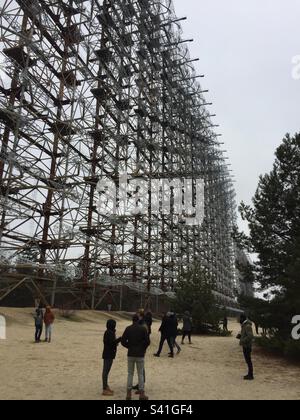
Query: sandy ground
70, 367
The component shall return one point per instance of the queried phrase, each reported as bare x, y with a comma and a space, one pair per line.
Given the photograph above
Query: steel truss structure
92, 89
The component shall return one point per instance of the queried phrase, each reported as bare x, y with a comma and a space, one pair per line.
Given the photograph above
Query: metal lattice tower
92, 89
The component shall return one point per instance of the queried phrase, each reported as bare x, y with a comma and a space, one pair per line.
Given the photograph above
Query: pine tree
274, 219
274, 222
194, 293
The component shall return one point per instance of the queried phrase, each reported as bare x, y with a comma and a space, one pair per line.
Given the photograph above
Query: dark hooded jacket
171, 326
110, 341
39, 318
163, 326
136, 340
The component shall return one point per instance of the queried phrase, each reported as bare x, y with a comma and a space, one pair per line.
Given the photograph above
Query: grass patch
288, 348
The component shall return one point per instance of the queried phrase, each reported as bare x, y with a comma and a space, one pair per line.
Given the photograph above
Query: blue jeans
38, 332
139, 362
48, 332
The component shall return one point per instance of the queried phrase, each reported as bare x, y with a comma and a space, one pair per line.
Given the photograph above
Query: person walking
49, 319
109, 354
136, 340
39, 320
174, 332
166, 333
246, 341
187, 327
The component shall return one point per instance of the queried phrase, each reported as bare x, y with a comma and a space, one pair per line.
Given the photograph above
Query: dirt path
70, 367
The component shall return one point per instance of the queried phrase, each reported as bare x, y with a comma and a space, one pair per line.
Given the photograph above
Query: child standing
109, 354
38, 319
48, 320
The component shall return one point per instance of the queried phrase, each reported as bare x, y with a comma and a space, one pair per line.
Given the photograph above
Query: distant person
39, 321
225, 324
187, 327
256, 324
264, 325
246, 340
173, 325
136, 340
142, 318
166, 334
49, 319
141, 314
149, 321
109, 354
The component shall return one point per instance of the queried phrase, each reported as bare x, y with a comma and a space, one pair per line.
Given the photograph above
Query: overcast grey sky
246, 49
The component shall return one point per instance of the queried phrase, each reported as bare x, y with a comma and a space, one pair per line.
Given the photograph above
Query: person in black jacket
173, 325
145, 321
39, 321
109, 354
136, 340
166, 330
149, 321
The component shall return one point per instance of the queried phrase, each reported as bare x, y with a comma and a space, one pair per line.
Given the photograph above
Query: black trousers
162, 342
187, 334
248, 359
38, 332
175, 344
107, 365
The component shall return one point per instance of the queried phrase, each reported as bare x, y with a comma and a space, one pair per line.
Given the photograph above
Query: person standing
109, 354
143, 322
136, 340
246, 341
256, 324
187, 327
225, 323
166, 333
149, 321
39, 320
49, 321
